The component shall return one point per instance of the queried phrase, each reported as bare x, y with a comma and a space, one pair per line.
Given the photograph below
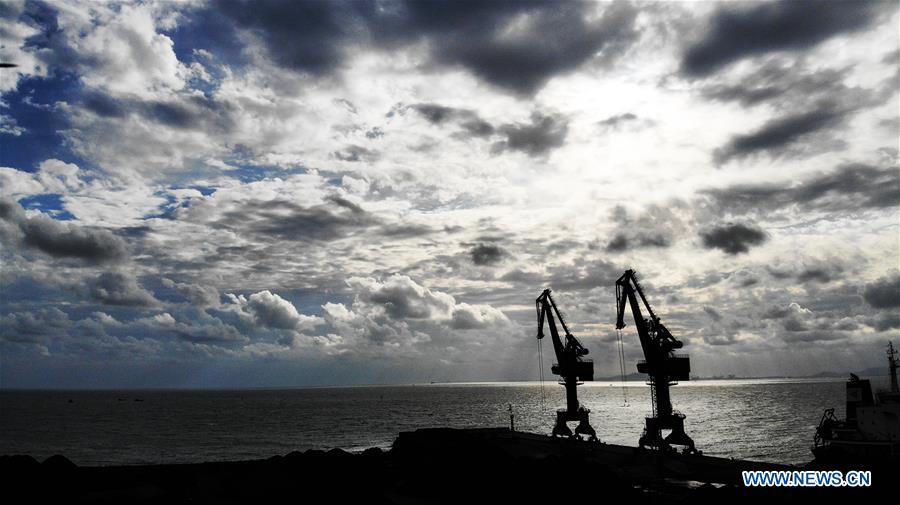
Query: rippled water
752, 419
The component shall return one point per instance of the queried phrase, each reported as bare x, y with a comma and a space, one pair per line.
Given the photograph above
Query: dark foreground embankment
426, 466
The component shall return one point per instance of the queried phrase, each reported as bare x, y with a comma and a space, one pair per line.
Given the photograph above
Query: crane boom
571, 366
663, 367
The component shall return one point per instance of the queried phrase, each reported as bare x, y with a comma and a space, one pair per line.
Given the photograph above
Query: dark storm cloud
583, 274
172, 114
439, 114
883, 293
549, 38
887, 322
811, 105
104, 105
776, 312
179, 111
212, 332
851, 187
333, 219
786, 84
198, 295
794, 324
641, 238
355, 153
777, 136
472, 125
542, 135
733, 238
34, 326
807, 336
304, 36
617, 120
290, 221
714, 314
737, 33
821, 274
487, 254
58, 239
654, 226
117, 288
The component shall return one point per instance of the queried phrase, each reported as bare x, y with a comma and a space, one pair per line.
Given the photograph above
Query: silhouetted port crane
571, 366
663, 366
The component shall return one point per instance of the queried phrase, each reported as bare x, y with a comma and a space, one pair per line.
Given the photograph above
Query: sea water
764, 420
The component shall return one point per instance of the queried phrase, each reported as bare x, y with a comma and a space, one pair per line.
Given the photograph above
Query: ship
871, 430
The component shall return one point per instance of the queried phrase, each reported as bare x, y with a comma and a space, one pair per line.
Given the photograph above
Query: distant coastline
632, 377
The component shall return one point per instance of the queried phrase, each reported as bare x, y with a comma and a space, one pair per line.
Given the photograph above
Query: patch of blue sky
207, 29
204, 190
254, 173
33, 105
51, 204
166, 210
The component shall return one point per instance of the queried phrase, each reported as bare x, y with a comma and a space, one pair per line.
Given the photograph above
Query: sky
273, 194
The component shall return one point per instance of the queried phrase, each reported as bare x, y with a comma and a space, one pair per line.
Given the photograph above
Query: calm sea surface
766, 420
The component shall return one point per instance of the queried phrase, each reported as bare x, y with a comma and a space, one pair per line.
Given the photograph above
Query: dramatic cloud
472, 125
513, 45
471, 317
733, 238
402, 298
655, 226
758, 28
543, 134
401, 313
887, 322
369, 192
272, 311
34, 326
61, 240
883, 293
199, 296
487, 254
118, 288
784, 83
852, 187
285, 220
618, 121
778, 135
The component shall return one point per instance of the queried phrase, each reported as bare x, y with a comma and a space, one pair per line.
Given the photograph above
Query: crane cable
541, 369
622, 365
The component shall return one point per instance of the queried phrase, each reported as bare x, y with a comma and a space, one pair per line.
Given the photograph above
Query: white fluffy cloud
271, 311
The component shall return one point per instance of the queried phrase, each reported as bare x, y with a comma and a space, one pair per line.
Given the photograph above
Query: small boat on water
871, 430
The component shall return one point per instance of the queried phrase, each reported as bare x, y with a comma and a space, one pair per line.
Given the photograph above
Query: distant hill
877, 371
629, 377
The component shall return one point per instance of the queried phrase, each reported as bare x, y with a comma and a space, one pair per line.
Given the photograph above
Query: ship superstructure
871, 429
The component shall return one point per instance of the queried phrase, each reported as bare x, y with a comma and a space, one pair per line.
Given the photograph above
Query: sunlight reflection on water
768, 420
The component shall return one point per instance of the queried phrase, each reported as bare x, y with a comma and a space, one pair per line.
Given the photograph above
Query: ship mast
892, 363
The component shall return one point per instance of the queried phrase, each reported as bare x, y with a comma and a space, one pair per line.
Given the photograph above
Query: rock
58, 462
18, 462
